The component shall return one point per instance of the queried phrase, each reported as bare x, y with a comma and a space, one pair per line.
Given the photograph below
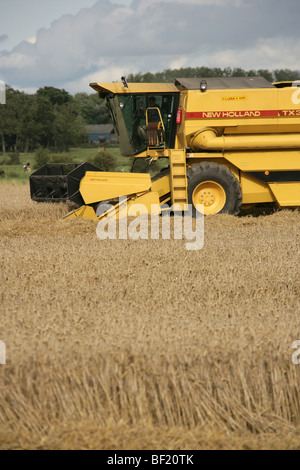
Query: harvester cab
229, 143
143, 117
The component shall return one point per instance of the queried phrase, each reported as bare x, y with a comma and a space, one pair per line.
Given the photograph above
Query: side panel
96, 187
265, 176
162, 186
255, 191
287, 194
269, 176
235, 111
249, 111
264, 160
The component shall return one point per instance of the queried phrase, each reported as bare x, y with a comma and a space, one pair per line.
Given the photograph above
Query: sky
70, 43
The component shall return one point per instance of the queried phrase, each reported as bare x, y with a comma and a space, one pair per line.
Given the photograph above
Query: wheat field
122, 344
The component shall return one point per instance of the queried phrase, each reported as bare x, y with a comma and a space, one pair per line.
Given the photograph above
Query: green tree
261, 73
41, 157
28, 136
8, 120
67, 128
91, 108
55, 96
169, 75
286, 75
44, 116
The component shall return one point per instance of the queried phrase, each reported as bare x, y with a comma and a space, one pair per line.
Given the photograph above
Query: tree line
168, 75
52, 118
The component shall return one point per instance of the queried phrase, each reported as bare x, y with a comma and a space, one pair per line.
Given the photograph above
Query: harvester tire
214, 186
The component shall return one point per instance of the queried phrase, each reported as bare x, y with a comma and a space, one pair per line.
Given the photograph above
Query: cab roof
119, 88
234, 83
286, 84
215, 83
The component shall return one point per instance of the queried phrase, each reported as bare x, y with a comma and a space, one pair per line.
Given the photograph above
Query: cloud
3, 37
102, 42
142, 5
32, 40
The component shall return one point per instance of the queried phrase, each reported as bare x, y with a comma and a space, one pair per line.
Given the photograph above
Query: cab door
161, 119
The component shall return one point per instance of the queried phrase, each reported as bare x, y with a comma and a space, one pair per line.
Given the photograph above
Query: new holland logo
231, 114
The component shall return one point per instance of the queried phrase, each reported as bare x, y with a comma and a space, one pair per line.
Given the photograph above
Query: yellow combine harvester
230, 143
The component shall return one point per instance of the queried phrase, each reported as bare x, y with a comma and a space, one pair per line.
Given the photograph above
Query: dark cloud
3, 37
153, 36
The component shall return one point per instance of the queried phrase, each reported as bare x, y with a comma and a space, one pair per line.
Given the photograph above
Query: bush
12, 174
4, 160
41, 157
62, 158
13, 159
105, 160
2, 173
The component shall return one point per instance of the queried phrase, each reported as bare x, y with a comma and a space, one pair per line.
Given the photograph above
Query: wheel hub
211, 194
207, 198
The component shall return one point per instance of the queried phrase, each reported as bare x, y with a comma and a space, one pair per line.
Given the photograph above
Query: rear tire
215, 187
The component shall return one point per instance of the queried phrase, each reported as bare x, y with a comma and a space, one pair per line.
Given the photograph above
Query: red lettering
243, 114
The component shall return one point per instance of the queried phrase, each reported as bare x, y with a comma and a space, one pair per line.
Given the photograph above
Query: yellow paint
134, 88
234, 98
286, 194
144, 204
85, 212
280, 160
255, 191
178, 179
102, 186
211, 195
162, 186
208, 139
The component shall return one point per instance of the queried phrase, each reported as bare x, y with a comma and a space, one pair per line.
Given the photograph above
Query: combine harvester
230, 143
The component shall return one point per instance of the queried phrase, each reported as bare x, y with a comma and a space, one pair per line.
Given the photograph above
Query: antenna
124, 81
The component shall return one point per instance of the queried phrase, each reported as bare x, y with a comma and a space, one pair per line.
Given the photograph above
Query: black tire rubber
211, 171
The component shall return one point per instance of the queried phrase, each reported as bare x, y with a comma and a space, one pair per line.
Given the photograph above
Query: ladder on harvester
177, 160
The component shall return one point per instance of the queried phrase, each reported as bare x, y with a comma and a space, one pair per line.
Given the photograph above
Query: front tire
215, 187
